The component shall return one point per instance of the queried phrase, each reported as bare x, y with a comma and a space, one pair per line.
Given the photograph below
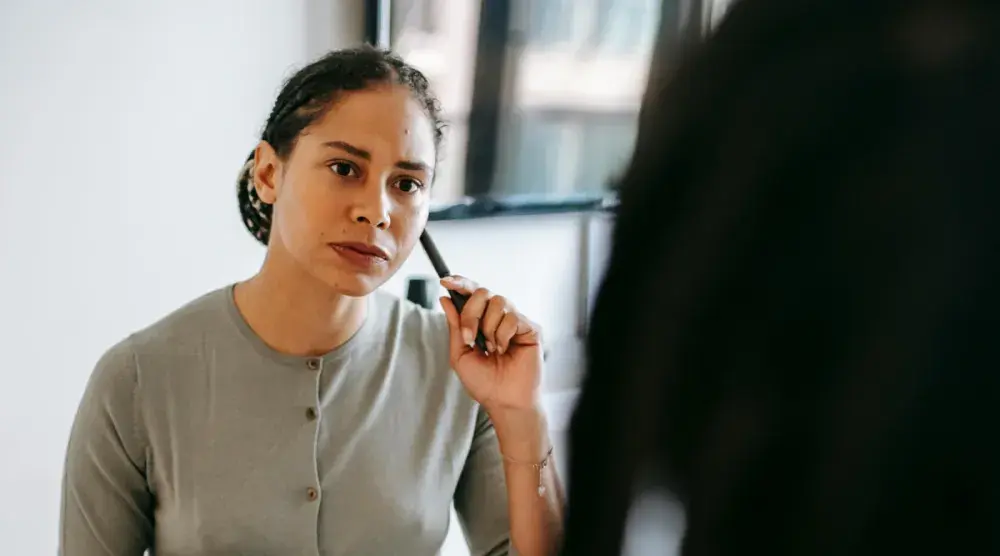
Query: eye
408, 185
344, 169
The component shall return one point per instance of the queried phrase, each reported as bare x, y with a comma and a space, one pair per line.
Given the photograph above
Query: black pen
457, 298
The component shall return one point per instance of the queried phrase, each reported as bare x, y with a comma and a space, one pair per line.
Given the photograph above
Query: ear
266, 172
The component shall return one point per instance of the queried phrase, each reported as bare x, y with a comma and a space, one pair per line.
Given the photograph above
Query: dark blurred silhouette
798, 334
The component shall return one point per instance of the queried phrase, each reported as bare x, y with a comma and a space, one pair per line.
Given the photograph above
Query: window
541, 96
439, 38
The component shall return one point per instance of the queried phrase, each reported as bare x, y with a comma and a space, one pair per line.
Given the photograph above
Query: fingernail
468, 336
490, 347
500, 350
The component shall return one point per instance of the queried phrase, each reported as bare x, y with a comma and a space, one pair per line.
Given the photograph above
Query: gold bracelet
536, 466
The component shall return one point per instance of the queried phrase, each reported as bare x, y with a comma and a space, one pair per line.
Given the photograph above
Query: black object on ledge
520, 205
421, 290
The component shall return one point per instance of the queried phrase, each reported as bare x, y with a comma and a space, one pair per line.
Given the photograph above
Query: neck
294, 313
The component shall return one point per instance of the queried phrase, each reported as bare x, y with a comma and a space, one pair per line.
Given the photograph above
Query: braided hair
305, 98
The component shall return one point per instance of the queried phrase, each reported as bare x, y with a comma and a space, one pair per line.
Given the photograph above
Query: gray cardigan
194, 437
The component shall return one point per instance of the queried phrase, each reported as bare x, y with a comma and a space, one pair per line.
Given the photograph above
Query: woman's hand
508, 378
506, 383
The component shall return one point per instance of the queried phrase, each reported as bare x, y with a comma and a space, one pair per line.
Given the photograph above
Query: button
312, 493
313, 364
311, 414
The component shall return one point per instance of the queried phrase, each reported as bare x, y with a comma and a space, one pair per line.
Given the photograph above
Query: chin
353, 284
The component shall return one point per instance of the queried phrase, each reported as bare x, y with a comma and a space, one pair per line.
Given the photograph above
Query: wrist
522, 433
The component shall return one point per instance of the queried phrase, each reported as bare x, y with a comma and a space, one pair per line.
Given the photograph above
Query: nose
371, 206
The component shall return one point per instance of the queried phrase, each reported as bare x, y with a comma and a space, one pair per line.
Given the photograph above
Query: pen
441, 268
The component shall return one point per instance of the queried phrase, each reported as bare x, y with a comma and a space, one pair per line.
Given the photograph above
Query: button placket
314, 365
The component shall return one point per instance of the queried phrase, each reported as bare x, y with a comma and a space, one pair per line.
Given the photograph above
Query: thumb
456, 345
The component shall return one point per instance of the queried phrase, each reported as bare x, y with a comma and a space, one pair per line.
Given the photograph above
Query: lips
368, 250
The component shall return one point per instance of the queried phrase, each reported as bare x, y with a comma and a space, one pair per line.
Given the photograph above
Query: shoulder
114, 375
418, 340
182, 330
421, 328
186, 326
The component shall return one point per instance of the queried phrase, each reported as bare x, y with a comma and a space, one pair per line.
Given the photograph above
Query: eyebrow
361, 153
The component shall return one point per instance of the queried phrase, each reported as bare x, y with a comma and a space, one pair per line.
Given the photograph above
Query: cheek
408, 224
314, 206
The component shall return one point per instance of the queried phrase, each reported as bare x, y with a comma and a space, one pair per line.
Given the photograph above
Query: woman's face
352, 198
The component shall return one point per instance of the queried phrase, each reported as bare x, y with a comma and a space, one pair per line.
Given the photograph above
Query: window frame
497, 42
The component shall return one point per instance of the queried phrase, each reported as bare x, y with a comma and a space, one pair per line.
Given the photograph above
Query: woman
301, 411
807, 363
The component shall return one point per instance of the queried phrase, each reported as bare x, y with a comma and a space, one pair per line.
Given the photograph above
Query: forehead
386, 121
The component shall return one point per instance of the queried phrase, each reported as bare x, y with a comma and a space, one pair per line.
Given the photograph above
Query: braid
256, 213
294, 97
308, 94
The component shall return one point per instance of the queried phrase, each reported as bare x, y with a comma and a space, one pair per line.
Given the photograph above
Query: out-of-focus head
340, 181
797, 329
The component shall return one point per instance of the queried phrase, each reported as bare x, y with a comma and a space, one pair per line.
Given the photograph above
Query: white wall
123, 124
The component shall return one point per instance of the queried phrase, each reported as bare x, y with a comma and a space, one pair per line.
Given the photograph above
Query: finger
526, 333
506, 331
459, 284
496, 308
456, 345
472, 313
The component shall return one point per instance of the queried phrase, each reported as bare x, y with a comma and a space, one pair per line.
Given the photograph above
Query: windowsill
520, 205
